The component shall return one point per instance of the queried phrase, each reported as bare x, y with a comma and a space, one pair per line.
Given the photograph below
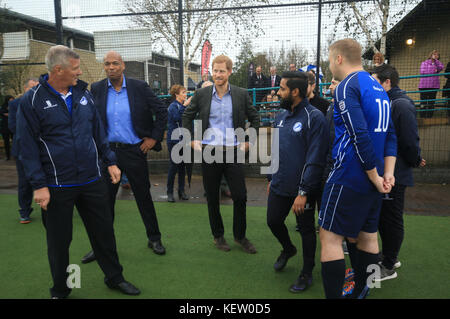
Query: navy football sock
364, 259
333, 275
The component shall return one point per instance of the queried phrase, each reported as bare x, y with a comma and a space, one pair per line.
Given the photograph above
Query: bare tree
231, 25
369, 19
12, 77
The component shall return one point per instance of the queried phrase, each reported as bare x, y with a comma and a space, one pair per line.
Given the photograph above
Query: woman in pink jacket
430, 66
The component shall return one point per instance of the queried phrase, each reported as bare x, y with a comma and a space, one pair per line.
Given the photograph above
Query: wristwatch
302, 193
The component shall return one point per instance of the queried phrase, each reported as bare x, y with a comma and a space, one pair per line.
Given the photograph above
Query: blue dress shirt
118, 115
220, 118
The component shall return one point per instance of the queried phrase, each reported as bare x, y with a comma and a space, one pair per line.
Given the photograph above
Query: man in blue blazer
223, 108
126, 107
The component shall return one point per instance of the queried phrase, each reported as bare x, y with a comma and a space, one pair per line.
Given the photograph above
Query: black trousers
7, 136
235, 177
427, 105
278, 208
90, 200
174, 168
391, 226
133, 162
446, 95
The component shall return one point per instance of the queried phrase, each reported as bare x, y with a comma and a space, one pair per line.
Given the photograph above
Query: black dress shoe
303, 282
88, 257
283, 259
170, 198
126, 288
157, 247
182, 195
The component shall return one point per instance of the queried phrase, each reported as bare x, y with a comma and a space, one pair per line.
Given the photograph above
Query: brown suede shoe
221, 244
246, 245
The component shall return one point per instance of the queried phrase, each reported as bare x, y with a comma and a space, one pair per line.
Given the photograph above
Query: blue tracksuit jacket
59, 149
303, 144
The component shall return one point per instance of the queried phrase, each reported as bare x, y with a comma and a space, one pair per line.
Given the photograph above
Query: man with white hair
59, 126
274, 79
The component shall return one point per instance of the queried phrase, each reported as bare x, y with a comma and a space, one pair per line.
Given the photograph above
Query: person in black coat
6, 133
126, 107
24, 189
446, 94
258, 81
403, 114
317, 101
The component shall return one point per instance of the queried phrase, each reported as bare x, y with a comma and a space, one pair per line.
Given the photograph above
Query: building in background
408, 43
25, 42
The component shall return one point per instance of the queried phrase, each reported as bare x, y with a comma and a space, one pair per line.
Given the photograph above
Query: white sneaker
386, 274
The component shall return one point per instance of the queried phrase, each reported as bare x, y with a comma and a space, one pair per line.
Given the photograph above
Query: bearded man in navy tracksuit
303, 142
61, 139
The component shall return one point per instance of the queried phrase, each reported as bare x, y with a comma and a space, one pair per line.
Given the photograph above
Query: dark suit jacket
143, 105
201, 106
277, 80
259, 83
13, 106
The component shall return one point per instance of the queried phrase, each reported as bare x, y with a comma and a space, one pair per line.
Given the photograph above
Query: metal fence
161, 43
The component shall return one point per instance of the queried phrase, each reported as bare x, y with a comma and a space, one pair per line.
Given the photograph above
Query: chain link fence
161, 42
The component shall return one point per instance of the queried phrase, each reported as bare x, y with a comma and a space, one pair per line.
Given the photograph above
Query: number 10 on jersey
383, 116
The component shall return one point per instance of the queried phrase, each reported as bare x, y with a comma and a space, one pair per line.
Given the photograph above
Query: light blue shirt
118, 115
220, 119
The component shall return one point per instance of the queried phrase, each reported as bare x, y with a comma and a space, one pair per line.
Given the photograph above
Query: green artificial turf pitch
194, 268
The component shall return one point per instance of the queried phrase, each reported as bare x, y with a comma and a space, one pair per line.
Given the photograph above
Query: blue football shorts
346, 212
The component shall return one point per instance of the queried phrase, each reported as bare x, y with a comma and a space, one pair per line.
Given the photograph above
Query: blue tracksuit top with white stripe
364, 131
303, 143
60, 149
